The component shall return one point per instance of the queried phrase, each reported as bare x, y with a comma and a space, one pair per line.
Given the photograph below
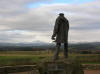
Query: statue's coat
61, 30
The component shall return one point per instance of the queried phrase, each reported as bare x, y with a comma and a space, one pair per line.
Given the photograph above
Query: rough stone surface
62, 66
67, 66
16, 69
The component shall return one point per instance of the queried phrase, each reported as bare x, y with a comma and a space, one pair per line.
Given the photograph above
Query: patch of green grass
19, 60
91, 63
8, 58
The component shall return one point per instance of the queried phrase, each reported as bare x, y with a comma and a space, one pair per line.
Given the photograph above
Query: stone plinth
63, 66
67, 66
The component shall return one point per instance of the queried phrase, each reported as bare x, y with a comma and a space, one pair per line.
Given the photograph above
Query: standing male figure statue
60, 35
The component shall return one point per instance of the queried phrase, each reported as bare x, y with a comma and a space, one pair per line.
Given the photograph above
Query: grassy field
8, 58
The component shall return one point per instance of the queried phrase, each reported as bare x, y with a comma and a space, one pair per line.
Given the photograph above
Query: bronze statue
60, 35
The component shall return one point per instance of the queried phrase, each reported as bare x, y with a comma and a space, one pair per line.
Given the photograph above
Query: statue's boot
65, 50
56, 55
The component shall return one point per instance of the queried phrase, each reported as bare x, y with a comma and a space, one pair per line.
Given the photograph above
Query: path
92, 72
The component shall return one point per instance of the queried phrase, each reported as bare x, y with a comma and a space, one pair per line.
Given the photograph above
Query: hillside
44, 46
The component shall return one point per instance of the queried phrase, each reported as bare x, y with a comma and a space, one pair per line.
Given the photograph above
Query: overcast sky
33, 20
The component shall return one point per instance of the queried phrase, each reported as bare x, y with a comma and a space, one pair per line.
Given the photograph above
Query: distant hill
86, 46
41, 45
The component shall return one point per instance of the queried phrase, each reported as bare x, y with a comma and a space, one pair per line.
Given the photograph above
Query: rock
64, 66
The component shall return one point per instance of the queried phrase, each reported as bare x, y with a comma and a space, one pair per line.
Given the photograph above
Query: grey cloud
84, 35
92, 27
42, 18
83, 17
12, 7
16, 36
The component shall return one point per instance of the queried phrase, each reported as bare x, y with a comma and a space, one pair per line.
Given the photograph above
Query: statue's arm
68, 24
55, 29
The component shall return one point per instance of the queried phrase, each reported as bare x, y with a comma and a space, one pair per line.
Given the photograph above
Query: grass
19, 60
91, 63
8, 58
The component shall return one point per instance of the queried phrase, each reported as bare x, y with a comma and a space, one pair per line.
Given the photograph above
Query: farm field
9, 58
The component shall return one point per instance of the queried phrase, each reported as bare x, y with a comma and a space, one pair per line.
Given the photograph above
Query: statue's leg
66, 50
56, 56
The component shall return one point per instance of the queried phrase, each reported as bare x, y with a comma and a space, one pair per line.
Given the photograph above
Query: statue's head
61, 14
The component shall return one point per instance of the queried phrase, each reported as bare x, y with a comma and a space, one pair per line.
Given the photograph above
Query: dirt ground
85, 72
91, 71
22, 73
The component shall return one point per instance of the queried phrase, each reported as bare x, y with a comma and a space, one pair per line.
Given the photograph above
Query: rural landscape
88, 54
49, 36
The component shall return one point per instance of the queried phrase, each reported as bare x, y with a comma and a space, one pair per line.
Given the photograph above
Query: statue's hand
53, 38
